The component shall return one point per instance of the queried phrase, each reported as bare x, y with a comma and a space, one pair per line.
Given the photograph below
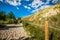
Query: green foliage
34, 30
19, 19
8, 18
2, 15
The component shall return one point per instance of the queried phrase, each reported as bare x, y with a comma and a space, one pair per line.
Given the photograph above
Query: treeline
8, 18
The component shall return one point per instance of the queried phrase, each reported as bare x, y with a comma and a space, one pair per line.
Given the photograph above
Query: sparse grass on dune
35, 23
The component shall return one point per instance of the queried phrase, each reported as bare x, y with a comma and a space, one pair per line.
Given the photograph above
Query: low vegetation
35, 31
8, 18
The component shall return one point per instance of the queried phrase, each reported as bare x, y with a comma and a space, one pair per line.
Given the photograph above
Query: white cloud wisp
14, 2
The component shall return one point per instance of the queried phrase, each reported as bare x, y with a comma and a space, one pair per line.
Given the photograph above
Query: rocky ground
11, 32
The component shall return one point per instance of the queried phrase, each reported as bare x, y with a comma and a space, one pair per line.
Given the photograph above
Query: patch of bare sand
13, 33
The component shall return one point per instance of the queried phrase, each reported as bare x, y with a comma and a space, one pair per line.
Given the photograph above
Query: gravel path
12, 32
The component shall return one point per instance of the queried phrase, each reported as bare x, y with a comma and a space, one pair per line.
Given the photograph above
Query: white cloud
17, 7
41, 8
1, 0
54, 1
36, 3
27, 0
47, 1
27, 7
14, 2
36, 10
45, 6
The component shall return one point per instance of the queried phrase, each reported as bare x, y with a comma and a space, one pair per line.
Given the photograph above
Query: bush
35, 31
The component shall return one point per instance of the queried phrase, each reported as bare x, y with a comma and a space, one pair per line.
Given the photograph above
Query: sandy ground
12, 32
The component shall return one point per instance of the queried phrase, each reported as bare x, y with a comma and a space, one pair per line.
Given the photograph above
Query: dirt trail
13, 32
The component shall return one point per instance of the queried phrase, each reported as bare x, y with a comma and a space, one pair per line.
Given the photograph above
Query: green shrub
35, 31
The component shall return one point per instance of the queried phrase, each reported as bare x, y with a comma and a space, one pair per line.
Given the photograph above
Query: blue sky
22, 8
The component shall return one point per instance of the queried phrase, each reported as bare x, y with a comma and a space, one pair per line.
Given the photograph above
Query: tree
2, 15
19, 20
11, 15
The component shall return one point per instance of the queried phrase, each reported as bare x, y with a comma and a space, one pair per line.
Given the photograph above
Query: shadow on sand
7, 27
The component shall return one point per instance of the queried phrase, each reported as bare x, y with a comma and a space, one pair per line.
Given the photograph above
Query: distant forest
8, 18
